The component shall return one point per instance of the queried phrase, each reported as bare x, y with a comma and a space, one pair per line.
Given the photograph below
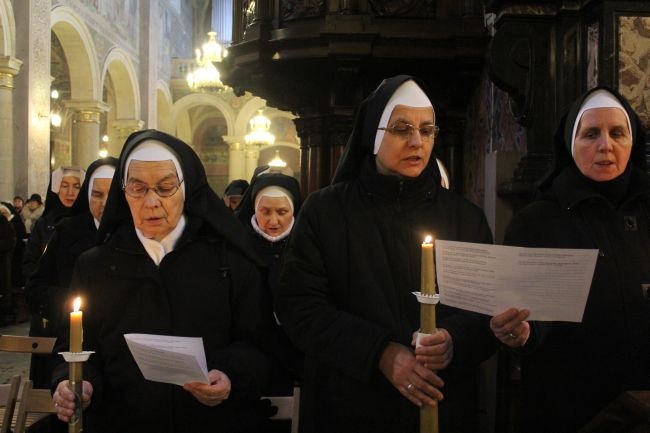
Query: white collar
158, 250
269, 238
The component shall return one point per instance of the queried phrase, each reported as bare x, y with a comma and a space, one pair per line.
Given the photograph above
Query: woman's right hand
63, 399
511, 327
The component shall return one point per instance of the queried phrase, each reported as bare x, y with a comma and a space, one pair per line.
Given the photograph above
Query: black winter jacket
574, 370
203, 288
352, 263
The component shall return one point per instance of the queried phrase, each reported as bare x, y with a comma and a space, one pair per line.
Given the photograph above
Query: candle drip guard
427, 299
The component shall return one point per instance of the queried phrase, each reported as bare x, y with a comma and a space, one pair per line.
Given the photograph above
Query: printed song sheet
552, 283
168, 359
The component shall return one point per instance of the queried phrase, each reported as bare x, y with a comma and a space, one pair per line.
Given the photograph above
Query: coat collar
571, 191
394, 187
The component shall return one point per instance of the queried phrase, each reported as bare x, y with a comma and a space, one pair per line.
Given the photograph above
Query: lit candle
428, 274
76, 329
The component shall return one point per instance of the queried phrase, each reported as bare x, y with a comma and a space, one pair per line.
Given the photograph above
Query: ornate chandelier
260, 134
206, 78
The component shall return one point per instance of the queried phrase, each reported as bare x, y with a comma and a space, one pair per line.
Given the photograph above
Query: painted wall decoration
490, 127
592, 54
122, 15
634, 63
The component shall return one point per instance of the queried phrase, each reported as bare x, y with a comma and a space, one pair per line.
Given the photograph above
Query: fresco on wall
490, 127
121, 14
634, 64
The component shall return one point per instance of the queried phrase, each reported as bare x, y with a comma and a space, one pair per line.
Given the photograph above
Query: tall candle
428, 414
428, 272
76, 329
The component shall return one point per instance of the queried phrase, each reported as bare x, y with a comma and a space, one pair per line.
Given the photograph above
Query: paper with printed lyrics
169, 359
552, 283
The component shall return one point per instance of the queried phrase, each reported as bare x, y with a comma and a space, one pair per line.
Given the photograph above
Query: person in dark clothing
17, 279
47, 289
351, 264
233, 193
597, 197
7, 243
268, 209
172, 260
62, 192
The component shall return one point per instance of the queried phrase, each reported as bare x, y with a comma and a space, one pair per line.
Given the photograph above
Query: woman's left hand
436, 351
511, 327
211, 394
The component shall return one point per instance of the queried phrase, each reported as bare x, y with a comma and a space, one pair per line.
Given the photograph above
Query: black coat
573, 370
203, 288
7, 243
352, 263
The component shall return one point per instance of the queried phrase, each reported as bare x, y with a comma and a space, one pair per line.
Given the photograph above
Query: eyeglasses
139, 189
405, 130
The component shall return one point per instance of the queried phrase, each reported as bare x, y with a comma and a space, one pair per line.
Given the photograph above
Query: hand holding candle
76, 329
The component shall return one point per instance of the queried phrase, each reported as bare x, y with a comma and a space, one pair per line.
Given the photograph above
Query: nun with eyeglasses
172, 260
596, 197
353, 260
47, 289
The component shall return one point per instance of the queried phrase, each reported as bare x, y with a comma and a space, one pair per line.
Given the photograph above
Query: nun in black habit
173, 260
597, 197
47, 290
349, 270
268, 209
63, 190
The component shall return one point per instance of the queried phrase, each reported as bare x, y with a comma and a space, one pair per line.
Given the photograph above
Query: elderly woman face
153, 215
406, 147
69, 190
98, 196
603, 144
273, 215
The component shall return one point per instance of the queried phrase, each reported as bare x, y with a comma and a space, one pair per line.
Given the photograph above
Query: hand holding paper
211, 394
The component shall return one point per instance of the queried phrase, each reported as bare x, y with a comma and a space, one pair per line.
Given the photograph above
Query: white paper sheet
169, 359
552, 283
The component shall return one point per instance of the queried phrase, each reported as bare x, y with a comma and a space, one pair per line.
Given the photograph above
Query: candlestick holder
424, 298
75, 362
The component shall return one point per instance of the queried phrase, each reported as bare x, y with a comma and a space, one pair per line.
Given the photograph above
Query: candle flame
76, 304
427, 240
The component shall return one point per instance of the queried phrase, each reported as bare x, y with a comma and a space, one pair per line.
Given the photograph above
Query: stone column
85, 130
252, 152
236, 158
149, 46
32, 97
9, 67
120, 129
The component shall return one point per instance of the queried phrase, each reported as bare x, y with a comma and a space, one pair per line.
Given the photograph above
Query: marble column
236, 158
252, 152
31, 99
120, 129
9, 67
85, 130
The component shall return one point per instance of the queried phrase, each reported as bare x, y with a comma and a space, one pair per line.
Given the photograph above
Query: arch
196, 99
80, 53
125, 82
246, 113
8, 29
164, 107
